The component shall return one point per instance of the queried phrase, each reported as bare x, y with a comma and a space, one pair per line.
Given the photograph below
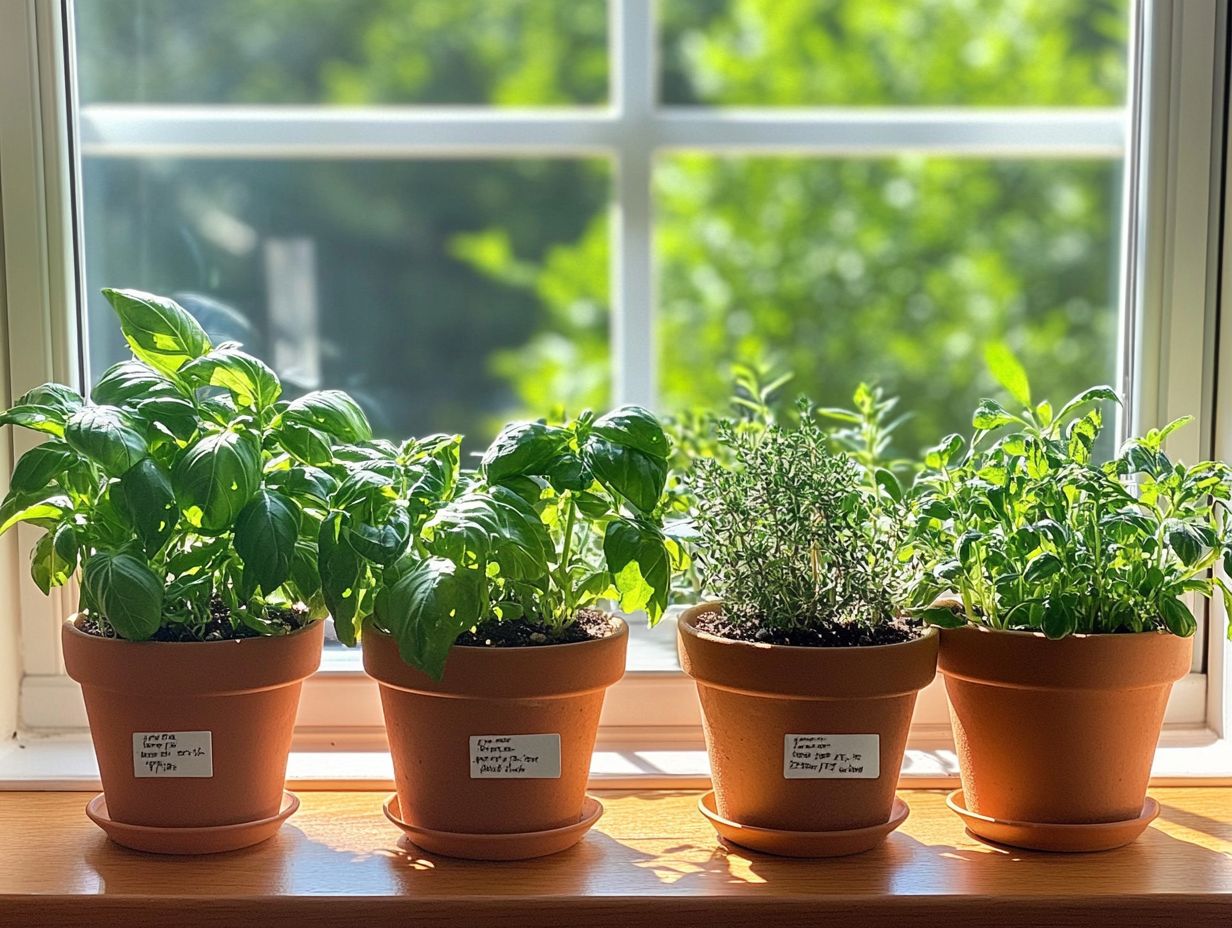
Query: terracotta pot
1058, 732
758, 699
488, 693
244, 694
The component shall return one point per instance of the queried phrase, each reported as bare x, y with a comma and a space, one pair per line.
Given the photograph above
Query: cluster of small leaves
1031, 532
186, 480
555, 518
789, 537
864, 431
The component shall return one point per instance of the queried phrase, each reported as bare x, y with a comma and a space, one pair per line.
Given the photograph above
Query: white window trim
1173, 210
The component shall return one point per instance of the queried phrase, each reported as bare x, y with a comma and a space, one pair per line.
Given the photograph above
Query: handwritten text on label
515, 757
173, 754
831, 757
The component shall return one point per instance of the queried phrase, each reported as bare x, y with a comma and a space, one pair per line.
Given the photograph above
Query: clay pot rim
1075, 636
70, 626
537, 672
685, 621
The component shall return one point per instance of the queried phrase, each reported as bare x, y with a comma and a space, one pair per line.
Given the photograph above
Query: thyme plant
789, 537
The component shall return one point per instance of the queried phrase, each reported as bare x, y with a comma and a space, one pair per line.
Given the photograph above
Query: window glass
894, 52
505, 53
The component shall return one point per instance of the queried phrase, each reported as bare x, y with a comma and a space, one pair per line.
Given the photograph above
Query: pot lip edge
1022, 634
685, 625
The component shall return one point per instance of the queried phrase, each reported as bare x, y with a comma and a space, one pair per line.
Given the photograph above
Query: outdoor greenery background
457, 294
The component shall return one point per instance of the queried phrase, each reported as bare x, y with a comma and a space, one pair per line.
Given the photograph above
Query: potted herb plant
478, 595
188, 494
806, 671
1069, 625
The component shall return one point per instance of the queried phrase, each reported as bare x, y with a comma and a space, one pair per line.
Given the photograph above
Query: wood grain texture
651, 860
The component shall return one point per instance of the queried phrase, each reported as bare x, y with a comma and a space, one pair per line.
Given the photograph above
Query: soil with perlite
837, 635
217, 628
588, 625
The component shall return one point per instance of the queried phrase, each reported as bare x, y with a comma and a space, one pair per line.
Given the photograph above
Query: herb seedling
555, 519
1031, 532
187, 491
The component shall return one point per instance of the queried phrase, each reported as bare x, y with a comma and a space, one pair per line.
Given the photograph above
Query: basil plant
187, 491
1031, 531
555, 518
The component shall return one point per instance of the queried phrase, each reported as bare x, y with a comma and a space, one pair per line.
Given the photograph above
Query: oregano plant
1029, 530
186, 489
555, 518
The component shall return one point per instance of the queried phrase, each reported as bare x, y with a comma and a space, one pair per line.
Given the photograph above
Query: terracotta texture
555, 689
754, 695
1058, 732
245, 693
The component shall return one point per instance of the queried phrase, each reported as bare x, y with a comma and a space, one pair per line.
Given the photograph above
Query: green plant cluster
185, 482
788, 535
556, 518
1031, 531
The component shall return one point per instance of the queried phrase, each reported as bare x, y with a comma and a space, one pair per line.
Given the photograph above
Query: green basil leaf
332, 412
632, 473
150, 503
26, 507
127, 592
1058, 619
640, 566
941, 617
341, 573
523, 448
888, 482
158, 329
265, 534
427, 607
1177, 617
54, 558
306, 444
633, 427
130, 382
304, 483
107, 436
493, 525
1090, 395
249, 380
172, 415
385, 542
40, 466
215, 479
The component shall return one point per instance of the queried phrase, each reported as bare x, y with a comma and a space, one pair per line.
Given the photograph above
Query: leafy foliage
788, 536
555, 518
181, 484
1033, 532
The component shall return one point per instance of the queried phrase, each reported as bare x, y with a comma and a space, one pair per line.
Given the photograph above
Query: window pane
510, 53
896, 269
894, 52
407, 284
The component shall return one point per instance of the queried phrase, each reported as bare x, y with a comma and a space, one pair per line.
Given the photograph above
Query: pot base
213, 839
1100, 836
497, 846
801, 843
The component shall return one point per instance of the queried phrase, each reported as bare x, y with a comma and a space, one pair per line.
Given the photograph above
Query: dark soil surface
218, 628
847, 635
588, 625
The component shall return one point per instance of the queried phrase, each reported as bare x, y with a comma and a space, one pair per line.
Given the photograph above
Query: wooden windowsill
651, 860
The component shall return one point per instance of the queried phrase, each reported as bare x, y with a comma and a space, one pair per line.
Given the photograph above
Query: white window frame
1171, 136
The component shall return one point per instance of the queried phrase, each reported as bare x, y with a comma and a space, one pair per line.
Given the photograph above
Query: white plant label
831, 757
515, 757
173, 754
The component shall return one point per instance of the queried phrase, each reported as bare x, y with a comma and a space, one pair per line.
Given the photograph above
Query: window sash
1166, 135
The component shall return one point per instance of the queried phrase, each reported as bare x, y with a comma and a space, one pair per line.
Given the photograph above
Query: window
464, 212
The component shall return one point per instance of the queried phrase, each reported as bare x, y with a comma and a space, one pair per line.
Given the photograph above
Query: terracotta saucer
802, 843
1100, 836
212, 839
500, 846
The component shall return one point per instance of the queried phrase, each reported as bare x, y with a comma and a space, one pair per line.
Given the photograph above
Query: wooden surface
651, 860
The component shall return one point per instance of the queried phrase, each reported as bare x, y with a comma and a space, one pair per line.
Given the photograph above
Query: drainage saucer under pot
1046, 836
209, 839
